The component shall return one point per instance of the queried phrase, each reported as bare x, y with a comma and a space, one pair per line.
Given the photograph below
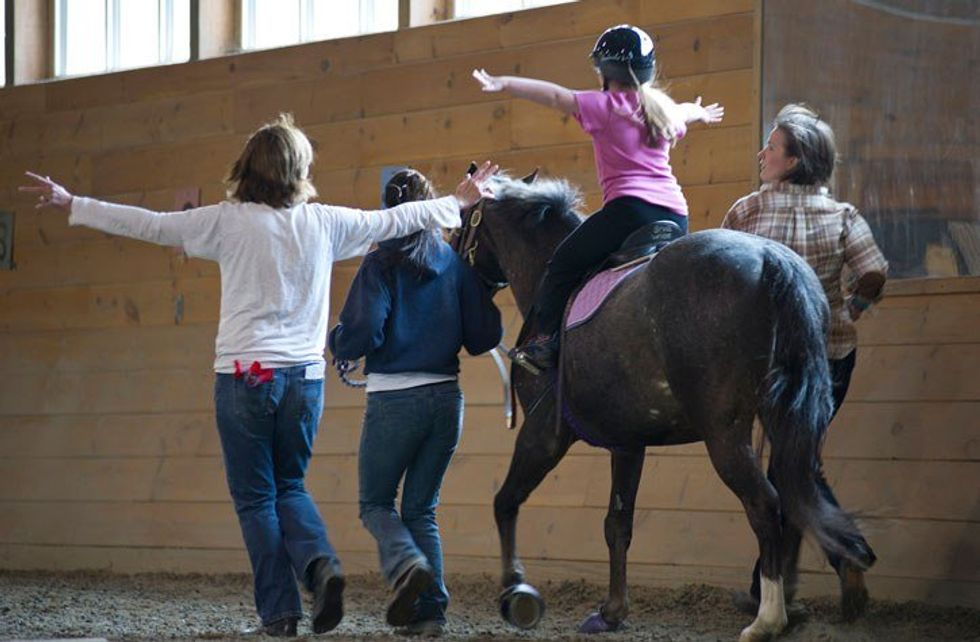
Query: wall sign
6, 240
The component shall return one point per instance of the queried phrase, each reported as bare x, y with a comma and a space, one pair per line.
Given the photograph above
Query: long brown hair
274, 166
415, 250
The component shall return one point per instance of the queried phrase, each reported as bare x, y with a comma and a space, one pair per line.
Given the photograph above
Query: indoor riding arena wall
109, 458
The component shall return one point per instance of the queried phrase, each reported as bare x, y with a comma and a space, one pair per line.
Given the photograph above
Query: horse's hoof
595, 623
522, 606
757, 634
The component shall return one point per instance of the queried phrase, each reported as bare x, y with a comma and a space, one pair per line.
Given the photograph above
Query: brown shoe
328, 595
284, 628
412, 583
424, 629
853, 592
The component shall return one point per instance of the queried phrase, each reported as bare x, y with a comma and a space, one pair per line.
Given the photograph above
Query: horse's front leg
627, 466
538, 450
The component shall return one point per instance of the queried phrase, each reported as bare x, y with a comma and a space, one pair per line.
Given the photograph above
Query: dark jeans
267, 432
599, 236
411, 433
840, 375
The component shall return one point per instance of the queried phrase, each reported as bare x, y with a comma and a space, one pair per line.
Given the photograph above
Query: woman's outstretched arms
195, 230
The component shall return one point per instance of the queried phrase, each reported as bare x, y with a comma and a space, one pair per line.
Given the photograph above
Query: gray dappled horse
720, 327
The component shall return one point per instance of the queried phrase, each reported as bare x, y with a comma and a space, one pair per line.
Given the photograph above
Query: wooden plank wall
108, 454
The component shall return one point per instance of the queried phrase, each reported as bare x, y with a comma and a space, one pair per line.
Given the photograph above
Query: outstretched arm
694, 112
352, 231
540, 91
195, 230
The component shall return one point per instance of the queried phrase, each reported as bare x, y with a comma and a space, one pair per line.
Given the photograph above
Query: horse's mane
533, 204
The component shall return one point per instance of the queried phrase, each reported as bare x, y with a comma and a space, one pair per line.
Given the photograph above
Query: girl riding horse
633, 125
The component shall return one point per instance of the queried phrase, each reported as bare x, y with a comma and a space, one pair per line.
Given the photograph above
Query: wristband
860, 302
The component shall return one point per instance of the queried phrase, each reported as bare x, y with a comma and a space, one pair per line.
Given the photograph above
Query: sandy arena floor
157, 607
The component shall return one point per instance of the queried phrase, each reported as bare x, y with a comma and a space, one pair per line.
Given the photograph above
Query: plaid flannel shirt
829, 235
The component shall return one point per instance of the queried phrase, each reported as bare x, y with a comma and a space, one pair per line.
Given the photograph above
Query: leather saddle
638, 248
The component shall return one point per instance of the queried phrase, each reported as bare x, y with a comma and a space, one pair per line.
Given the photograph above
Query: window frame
166, 11
307, 13
525, 6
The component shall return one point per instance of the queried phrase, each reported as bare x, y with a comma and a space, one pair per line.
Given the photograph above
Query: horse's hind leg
627, 466
730, 448
538, 450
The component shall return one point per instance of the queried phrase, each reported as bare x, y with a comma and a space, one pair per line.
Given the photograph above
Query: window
94, 36
472, 8
3, 44
904, 116
276, 23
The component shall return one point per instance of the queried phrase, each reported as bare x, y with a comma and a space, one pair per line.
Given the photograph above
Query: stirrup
517, 356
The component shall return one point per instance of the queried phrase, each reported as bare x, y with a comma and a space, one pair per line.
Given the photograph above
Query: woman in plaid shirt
794, 207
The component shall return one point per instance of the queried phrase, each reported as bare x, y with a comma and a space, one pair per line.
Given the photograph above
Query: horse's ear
530, 178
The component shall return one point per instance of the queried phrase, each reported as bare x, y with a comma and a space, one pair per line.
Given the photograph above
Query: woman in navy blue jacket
413, 304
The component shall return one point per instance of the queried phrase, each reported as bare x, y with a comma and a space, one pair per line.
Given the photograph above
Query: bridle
466, 243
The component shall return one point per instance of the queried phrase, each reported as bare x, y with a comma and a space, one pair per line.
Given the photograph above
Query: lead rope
345, 368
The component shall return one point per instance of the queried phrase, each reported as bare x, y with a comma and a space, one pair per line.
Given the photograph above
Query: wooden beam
8, 43
215, 28
416, 13
30, 32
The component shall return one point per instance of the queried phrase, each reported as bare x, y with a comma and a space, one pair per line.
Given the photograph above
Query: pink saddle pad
590, 298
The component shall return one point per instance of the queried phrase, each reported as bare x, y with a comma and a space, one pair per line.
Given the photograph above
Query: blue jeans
411, 433
267, 432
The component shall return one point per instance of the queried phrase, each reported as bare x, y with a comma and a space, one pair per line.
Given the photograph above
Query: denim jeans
267, 432
411, 433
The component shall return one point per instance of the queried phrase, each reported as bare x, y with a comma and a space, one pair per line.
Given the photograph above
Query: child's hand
709, 114
487, 82
49, 193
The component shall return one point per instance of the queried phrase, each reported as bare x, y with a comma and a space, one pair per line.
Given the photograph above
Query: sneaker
328, 595
284, 628
424, 629
412, 583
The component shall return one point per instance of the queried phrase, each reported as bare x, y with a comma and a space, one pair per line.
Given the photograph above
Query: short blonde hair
274, 167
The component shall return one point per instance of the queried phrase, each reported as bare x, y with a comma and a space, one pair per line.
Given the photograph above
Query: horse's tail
798, 404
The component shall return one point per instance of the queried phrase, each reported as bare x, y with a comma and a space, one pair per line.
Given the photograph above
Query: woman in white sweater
275, 251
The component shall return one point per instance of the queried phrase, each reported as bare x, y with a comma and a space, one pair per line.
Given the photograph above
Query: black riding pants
599, 236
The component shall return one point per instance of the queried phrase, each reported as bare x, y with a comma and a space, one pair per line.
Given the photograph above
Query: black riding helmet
623, 49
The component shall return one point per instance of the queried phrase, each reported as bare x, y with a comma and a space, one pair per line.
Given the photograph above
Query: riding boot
538, 353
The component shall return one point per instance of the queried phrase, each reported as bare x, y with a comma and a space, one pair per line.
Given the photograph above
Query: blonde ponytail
660, 113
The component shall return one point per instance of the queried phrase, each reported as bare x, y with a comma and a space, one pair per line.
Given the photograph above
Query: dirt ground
157, 607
